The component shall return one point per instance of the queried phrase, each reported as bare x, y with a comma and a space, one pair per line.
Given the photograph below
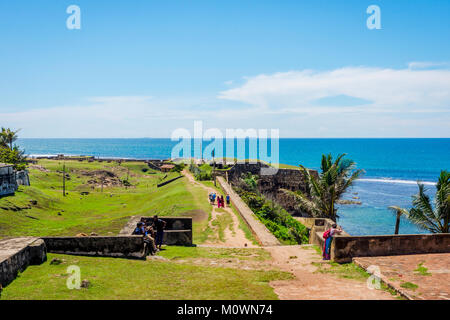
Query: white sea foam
427, 183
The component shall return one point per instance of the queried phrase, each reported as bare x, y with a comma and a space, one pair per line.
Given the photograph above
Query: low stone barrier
263, 235
168, 181
345, 248
178, 229
118, 246
17, 254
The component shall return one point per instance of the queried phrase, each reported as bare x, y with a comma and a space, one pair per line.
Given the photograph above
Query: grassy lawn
41, 209
145, 279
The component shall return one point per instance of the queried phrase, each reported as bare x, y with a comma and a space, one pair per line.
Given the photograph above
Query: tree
432, 217
325, 189
398, 213
15, 157
7, 137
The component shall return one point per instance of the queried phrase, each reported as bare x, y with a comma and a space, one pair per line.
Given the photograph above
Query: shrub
275, 218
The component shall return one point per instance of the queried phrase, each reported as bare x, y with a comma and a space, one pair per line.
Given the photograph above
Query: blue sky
145, 68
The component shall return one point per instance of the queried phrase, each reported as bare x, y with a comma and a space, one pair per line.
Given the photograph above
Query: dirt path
234, 236
310, 285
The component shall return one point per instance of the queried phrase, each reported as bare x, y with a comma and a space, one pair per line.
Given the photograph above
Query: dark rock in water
349, 202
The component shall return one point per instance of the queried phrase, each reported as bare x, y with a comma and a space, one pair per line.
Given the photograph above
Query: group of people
220, 200
147, 227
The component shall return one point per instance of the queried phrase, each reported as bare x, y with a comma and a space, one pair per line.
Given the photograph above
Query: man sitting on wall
148, 234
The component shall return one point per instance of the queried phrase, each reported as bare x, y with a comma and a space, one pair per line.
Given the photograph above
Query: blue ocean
392, 169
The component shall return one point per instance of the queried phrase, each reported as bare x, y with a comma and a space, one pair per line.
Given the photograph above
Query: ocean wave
398, 181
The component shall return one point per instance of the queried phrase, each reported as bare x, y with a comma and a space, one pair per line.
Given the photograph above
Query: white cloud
396, 103
388, 90
427, 64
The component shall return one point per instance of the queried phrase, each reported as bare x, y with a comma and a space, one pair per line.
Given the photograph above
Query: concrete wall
344, 248
16, 254
119, 246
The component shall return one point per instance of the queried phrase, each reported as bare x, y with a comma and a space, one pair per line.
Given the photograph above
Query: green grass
422, 270
409, 285
142, 280
100, 212
347, 270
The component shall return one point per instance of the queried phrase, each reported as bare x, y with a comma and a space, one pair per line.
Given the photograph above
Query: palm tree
428, 217
8, 137
326, 188
398, 212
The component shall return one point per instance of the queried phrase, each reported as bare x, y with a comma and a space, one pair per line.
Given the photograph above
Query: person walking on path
159, 225
228, 200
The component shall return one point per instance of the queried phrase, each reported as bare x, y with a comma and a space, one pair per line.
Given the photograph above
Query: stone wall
16, 254
22, 178
271, 185
178, 229
345, 248
118, 246
8, 184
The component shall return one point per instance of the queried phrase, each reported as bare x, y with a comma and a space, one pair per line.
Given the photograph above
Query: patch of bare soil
197, 215
38, 167
310, 285
102, 177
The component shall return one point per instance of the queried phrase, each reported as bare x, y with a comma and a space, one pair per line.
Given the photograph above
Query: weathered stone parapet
119, 246
262, 234
18, 253
345, 248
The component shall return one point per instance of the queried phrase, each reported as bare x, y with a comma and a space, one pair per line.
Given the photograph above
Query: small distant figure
210, 198
222, 202
159, 225
328, 237
228, 200
213, 198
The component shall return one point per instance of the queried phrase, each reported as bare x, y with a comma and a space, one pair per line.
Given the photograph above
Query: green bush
13, 156
276, 219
